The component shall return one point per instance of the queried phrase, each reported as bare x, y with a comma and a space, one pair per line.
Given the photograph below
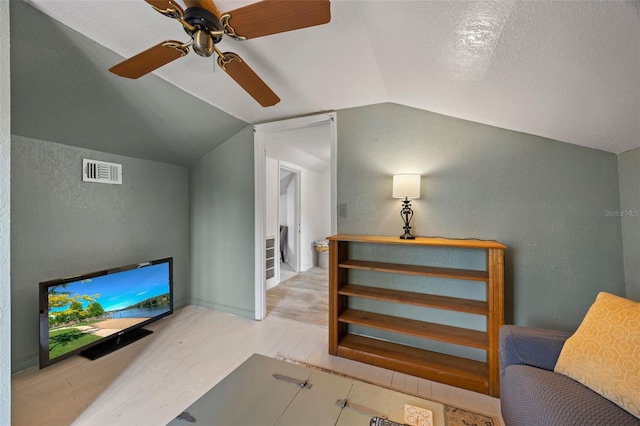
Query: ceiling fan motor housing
202, 43
205, 23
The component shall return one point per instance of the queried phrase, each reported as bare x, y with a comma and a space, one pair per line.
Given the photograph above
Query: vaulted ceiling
567, 70
62, 92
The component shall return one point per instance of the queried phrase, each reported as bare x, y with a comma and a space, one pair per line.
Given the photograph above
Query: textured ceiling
567, 70
308, 147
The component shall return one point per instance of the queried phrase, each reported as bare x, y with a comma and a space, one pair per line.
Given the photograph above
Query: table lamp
406, 186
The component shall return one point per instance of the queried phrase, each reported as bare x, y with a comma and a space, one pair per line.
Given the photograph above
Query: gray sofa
532, 394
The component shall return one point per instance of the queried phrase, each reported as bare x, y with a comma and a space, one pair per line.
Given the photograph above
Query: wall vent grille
271, 255
101, 172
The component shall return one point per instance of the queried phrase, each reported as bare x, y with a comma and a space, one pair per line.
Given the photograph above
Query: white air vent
101, 172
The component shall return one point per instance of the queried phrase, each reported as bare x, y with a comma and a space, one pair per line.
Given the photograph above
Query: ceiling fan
206, 26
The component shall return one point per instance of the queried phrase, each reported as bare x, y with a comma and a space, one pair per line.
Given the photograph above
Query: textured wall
222, 227
61, 76
61, 226
629, 170
542, 198
315, 204
5, 159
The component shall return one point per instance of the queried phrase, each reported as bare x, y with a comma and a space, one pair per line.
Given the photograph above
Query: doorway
297, 135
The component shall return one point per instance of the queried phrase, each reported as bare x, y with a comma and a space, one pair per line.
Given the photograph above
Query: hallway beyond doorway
286, 272
304, 297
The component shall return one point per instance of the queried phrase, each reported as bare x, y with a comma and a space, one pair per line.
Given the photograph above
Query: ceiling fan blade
203, 4
160, 4
151, 59
277, 16
247, 79
167, 8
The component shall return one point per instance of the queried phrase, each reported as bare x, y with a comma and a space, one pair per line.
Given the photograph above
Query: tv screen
95, 313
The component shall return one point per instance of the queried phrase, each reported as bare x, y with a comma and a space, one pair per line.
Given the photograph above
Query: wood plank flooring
151, 381
304, 297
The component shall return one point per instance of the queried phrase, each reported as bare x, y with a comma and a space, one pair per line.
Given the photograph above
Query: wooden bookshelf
479, 376
427, 271
419, 299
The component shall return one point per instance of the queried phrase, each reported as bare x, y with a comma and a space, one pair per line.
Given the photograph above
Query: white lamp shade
406, 185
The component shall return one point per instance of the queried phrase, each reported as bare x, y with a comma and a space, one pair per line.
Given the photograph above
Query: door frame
261, 135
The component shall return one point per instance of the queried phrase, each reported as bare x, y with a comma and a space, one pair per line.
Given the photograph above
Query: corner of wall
5, 254
629, 178
222, 232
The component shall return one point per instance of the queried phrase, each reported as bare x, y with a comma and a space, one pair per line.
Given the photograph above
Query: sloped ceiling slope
567, 70
62, 92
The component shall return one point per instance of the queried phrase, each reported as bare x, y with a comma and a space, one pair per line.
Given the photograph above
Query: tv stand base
114, 344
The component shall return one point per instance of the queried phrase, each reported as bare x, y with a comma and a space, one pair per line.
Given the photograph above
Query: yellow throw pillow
604, 353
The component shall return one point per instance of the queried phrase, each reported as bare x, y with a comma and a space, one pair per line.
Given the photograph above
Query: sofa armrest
537, 347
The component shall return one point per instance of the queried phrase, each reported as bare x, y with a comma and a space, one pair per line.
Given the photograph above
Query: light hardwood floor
303, 297
151, 381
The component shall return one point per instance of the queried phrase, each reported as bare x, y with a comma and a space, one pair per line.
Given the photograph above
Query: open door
289, 216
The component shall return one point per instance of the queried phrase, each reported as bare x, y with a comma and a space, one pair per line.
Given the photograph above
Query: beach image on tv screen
85, 311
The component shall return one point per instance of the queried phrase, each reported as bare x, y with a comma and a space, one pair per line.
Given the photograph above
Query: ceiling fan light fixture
202, 43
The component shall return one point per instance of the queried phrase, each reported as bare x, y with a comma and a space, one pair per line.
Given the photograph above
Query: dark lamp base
406, 214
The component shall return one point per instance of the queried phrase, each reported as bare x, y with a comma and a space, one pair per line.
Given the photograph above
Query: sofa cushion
604, 353
531, 396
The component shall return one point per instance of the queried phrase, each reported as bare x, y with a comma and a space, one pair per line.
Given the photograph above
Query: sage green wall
5, 161
63, 92
222, 227
61, 226
544, 199
629, 170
